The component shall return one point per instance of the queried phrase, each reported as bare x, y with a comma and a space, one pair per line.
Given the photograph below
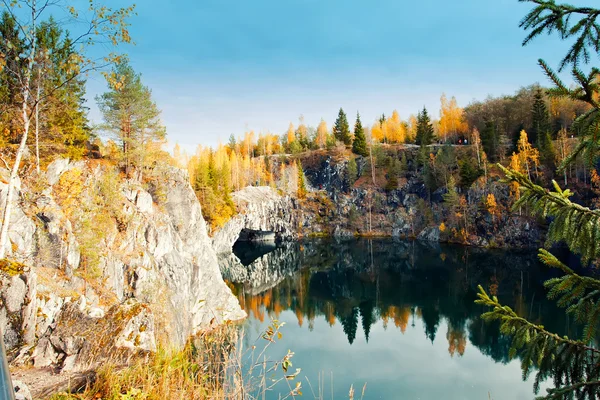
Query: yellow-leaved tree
451, 122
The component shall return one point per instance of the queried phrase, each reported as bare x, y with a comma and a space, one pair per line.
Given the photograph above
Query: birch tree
101, 25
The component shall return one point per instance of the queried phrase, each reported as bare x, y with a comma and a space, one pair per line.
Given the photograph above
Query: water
398, 316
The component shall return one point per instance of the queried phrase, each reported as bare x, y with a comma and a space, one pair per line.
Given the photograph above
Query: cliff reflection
359, 283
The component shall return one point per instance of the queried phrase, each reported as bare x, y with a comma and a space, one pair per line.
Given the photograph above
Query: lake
398, 316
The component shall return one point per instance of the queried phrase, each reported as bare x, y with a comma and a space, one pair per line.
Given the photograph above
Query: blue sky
218, 67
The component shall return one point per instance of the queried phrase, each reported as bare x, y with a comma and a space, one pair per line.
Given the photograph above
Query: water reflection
386, 286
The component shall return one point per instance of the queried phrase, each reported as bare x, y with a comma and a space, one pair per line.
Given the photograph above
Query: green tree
352, 171
451, 197
571, 363
341, 129
301, 181
350, 324
393, 174
468, 171
424, 128
546, 148
490, 140
130, 114
106, 26
359, 144
403, 164
367, 317
540, 119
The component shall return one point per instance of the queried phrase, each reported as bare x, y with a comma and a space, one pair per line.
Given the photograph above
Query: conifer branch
573, 223
512, 322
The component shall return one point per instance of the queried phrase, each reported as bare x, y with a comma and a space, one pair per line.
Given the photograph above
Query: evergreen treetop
540, 119
424, 128
359, 144
341, 129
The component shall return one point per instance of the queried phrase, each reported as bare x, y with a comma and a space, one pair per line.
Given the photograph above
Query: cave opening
253, 244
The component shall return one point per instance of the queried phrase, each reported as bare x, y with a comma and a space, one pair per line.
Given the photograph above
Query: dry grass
209, 367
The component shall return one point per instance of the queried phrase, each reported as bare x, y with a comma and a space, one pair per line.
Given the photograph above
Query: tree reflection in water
358, 283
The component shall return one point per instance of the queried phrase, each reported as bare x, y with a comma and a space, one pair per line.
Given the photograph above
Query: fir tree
350, 324
571, 363
341, 129
540, 119
367, 317
424, 128
490, 140
359, 145
546, 148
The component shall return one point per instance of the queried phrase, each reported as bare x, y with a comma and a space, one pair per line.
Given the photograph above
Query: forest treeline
528, 130
131, 135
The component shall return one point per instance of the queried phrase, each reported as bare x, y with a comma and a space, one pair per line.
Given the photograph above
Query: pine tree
424, 128
130, 114
359, 145
341, 129
571, 363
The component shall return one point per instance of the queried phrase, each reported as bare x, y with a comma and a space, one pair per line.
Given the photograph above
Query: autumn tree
102, 25
321, 138
395, 129
528, 155
451, 119
377, 132
341, 129
130, 115
359, 144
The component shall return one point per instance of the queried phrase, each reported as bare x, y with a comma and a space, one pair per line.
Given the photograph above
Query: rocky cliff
259, 209
105, 265
342, 205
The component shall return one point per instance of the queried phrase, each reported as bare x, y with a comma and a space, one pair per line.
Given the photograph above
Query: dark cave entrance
253, 244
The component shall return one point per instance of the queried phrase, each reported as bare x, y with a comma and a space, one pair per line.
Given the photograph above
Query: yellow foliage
442, 227
451, 119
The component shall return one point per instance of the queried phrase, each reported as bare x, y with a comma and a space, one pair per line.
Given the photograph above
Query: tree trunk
14, 173
37, 128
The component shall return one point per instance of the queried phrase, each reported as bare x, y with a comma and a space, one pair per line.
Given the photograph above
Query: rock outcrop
144, 266
259, 209
264, 272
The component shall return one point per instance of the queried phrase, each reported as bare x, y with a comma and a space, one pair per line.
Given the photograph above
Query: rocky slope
141, 270
342, 207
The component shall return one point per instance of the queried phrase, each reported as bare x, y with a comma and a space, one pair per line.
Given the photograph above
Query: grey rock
56, 169
430, 234
22, 391
261, 209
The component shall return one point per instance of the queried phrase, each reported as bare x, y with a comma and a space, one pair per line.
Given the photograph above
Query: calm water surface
398, 316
